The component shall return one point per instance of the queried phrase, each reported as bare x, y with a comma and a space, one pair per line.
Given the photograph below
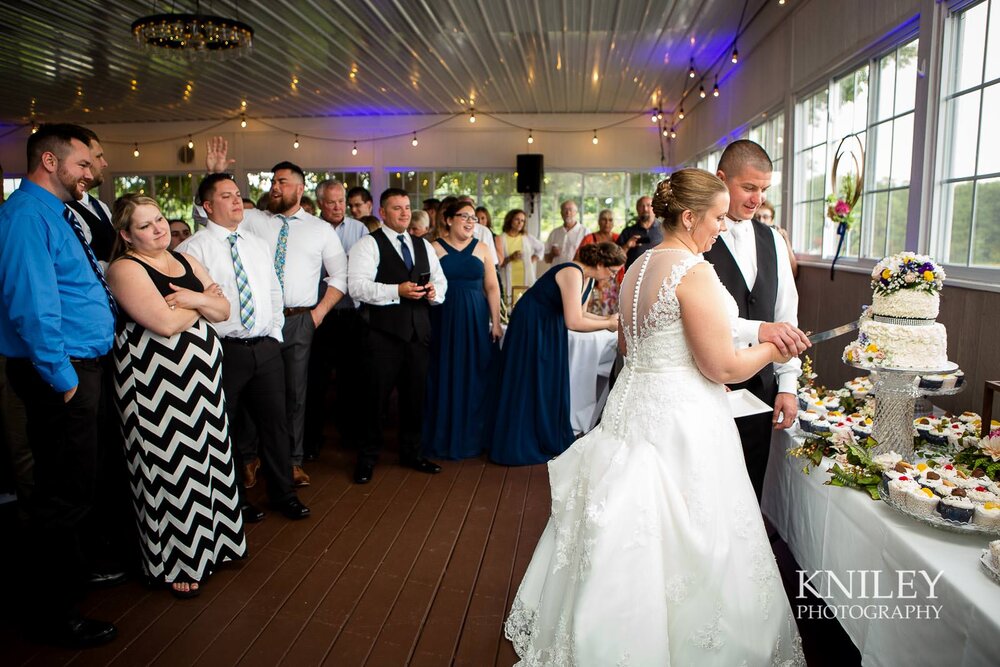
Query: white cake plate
895, 395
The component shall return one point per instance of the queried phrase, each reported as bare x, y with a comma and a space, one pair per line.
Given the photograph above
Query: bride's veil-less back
655, 552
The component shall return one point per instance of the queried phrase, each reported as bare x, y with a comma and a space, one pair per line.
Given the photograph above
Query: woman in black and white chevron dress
168, 365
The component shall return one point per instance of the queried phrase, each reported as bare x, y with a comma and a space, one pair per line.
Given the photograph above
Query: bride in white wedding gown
655, 553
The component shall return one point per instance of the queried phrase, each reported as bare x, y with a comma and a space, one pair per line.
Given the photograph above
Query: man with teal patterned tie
301, 247
253, 373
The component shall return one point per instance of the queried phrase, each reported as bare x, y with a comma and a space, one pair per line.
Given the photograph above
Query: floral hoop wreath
841, 207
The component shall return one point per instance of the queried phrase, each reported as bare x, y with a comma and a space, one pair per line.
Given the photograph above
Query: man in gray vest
395, 277
753, 265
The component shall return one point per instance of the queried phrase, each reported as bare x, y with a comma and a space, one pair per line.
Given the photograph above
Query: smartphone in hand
424, 278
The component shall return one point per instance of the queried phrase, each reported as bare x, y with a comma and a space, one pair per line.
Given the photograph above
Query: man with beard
56, 322
302, 246
641, 235
337, 341
93, 214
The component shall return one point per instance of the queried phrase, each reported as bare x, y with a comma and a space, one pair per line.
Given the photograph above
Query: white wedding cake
899, 329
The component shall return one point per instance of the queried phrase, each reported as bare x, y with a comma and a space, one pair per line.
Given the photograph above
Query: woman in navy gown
461, 382
533, 412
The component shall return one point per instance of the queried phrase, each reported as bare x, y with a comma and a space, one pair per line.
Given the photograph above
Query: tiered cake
899, 329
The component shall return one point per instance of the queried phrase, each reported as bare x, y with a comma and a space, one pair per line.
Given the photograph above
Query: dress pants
298, 334
755, 432
63, 441
253, 378
393, 362
336, 346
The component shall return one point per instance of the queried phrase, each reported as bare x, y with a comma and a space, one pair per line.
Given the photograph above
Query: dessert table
591, 356
845, 532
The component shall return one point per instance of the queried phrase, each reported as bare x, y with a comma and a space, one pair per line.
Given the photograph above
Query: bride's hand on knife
613, 322
789, 339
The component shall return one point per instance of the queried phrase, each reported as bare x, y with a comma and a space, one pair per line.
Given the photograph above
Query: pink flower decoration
841, 207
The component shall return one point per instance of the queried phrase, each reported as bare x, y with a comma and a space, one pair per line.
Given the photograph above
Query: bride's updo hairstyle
606, 254
692, 190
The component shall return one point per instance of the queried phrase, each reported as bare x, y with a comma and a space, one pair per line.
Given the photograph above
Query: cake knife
833, 333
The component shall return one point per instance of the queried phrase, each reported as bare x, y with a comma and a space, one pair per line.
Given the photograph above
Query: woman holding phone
463, 361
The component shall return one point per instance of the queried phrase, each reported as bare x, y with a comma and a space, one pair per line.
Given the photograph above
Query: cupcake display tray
935, 520
985, 561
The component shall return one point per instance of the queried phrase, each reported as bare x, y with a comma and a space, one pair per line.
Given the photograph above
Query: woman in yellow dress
520, 251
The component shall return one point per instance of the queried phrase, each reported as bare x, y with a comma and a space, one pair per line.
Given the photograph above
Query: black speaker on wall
529, 173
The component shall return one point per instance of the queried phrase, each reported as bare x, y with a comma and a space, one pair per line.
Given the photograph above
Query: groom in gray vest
752, 263
396, 278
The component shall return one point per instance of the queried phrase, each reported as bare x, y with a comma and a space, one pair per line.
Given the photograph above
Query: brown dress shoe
299, 476
250, 474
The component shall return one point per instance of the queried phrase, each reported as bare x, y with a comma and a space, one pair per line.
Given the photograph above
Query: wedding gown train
655, 552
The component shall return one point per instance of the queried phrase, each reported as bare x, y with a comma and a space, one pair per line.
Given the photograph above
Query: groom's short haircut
744, 153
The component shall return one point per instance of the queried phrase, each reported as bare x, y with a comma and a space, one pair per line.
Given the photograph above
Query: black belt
297, 310
249, 342
86, 363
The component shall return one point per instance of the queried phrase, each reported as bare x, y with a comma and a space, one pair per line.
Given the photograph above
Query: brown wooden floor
409, 569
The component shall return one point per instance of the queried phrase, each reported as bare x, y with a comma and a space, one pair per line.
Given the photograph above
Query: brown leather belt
297, 310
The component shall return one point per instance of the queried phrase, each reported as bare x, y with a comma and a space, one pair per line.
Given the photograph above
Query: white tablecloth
838, 529
591, 356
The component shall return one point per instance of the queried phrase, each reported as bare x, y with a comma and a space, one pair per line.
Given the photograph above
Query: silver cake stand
896, 392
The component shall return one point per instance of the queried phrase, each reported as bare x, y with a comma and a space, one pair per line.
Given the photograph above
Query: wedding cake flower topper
907, 270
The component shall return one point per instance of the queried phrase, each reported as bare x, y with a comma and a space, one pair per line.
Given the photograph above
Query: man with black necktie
93, 214
752, 263
56, 322
395, 277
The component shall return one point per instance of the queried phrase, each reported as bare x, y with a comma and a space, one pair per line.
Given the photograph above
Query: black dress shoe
106, 579
251, 514
77, 632
363, 473
422, 465
292, 508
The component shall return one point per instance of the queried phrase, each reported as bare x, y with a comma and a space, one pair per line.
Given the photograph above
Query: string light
701, 92
354, 150
243, 103
691, 72
594, 140
680, 114
652, 117
34, 127
295, 144
666, 132
781, 2
531, 139
190, 142
135, 150
243, 120
673, 133
715, 90
414, 142
472, 115
736, 55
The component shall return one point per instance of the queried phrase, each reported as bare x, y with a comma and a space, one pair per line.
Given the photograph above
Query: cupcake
968, 417
806, 420
995, 554
821, 425
899, 487
947, 471
922, 502
987, 515
931, 381
888, 461
862, 428
922, 426
937, 434
981, 494
959, 510
959, 377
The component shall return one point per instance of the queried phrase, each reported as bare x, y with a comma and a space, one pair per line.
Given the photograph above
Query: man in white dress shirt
302, 247
253, 374
337, 343
395, 277
564, 241
753, 265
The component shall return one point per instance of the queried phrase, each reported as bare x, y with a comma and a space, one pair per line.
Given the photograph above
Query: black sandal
193, 591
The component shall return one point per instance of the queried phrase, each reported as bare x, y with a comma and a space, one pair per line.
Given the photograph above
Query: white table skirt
843, 530
591, 356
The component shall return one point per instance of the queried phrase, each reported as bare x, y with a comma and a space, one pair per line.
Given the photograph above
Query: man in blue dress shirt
56, 321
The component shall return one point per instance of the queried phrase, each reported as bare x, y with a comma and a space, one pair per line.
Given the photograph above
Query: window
9, 185
173, 192
497, 191
874, 103
592, 192
968, 194
770, 134
259, 183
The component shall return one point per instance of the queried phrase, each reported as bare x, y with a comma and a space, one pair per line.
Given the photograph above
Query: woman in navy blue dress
461, 382
533, 412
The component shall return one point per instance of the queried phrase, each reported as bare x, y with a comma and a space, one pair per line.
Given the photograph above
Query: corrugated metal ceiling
77, 60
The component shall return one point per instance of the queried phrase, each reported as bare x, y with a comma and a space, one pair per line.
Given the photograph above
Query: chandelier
193, 36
